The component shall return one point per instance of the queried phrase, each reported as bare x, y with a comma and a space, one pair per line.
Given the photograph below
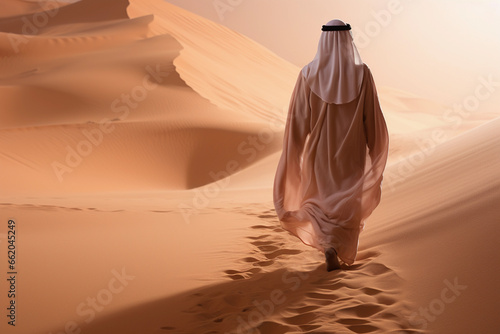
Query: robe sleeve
377, 137
377, 141
298, 121
297, 127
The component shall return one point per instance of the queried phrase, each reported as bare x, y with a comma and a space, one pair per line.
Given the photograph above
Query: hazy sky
436, 49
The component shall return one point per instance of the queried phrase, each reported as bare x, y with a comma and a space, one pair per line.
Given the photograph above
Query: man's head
336, 73
337, 25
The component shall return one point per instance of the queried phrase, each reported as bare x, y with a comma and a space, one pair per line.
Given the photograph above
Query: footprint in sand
273, 327
362, 298
267, 216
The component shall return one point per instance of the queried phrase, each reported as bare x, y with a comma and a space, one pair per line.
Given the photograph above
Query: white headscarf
336, 73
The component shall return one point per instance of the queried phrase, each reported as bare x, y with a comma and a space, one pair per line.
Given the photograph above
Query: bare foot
332, 261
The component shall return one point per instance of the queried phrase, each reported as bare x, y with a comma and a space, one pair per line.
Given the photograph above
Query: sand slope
439, 225
98, 94
146, 113
222, 65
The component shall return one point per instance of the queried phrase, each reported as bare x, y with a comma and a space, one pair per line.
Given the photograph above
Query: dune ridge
223, 69
68, 109
145, 192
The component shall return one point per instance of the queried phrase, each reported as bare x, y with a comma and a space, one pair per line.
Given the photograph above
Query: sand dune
440, 225
14, 8
117, 123
59, 13
100, 100
268, 293
223, 69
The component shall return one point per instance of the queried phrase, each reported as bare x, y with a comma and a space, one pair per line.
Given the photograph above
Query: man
335, 149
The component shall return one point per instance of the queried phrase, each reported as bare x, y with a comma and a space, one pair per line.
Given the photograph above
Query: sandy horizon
138, 146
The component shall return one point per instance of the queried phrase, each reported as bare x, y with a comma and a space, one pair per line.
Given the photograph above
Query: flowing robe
328, 179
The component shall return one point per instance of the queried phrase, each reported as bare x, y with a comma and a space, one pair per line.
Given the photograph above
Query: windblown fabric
336, 73
330, 172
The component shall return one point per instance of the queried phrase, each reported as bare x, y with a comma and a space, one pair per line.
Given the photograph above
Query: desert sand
138, 145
